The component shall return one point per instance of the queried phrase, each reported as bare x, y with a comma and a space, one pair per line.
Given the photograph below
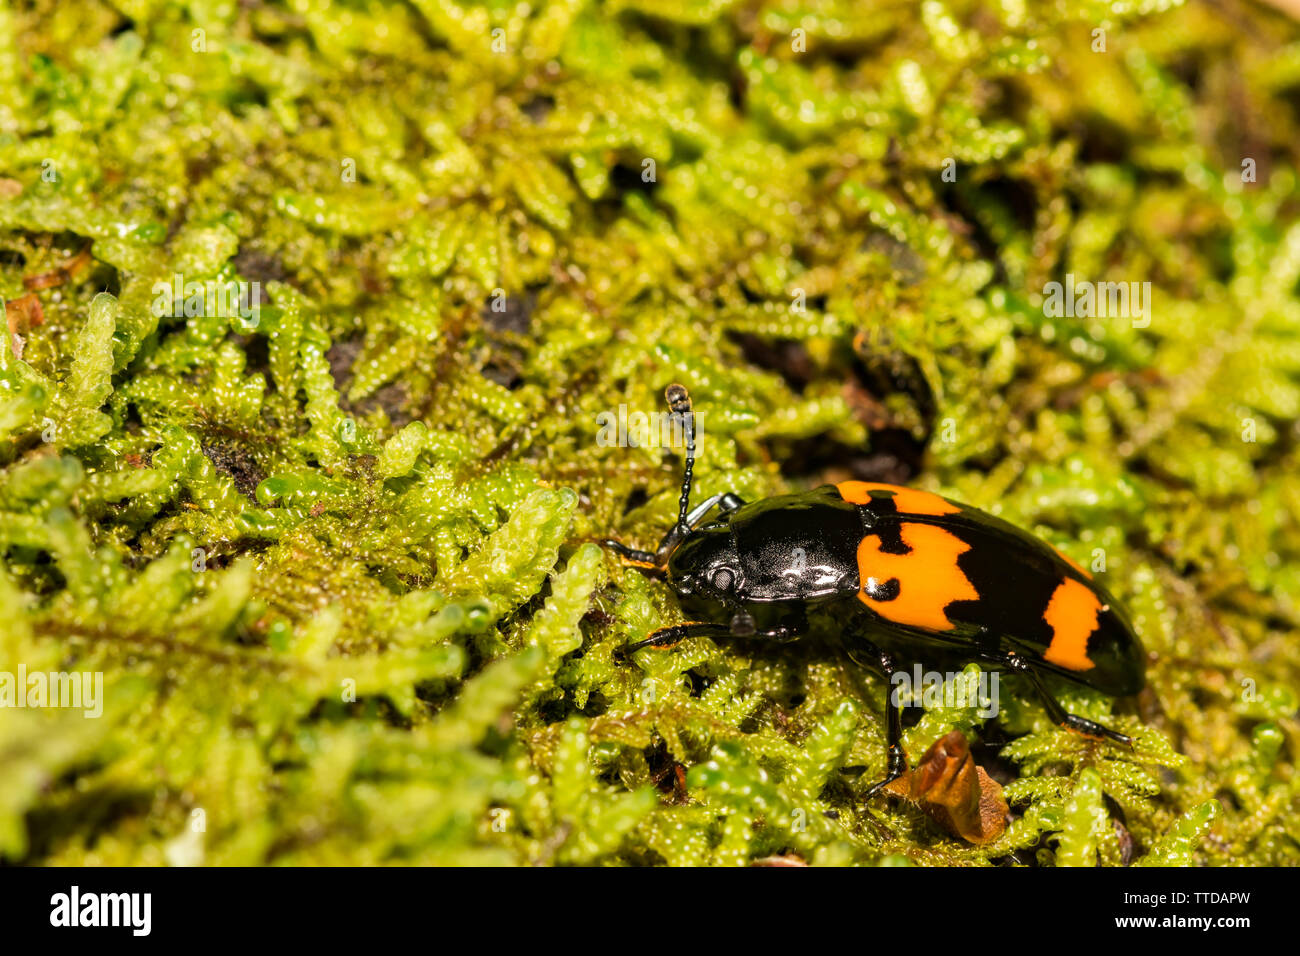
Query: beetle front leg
1061, 716
667, 636
657, 560
729, 502
726, 503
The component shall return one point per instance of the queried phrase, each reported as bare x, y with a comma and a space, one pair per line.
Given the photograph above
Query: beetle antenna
679, 400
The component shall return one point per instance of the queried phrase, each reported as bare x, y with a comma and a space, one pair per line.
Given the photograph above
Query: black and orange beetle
903, 571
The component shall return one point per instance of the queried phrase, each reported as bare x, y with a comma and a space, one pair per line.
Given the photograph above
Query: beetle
904, 571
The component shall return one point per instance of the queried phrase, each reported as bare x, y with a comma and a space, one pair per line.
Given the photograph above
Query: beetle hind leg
1080, 725
1090, 728
1059, 715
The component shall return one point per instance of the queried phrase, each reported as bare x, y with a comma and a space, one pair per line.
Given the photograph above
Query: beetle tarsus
890, 777
896, 767
1094, 730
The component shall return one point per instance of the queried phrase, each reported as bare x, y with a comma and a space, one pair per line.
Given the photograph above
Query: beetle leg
729, 502
726, 503
743, 625
897, 765
657, 560
699, 511
667, 636
1081, 725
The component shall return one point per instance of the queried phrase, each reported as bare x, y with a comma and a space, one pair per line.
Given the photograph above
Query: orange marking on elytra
1072, 616
911, 501
928, 576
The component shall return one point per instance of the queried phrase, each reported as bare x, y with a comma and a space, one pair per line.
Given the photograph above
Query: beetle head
705, 564
706, 573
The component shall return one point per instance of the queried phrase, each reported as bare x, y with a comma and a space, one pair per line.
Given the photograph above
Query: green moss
335, 565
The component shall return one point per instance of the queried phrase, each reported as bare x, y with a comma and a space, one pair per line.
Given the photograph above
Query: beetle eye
722, 579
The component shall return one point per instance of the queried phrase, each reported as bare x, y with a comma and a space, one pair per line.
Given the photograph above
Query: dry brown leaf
954, 792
